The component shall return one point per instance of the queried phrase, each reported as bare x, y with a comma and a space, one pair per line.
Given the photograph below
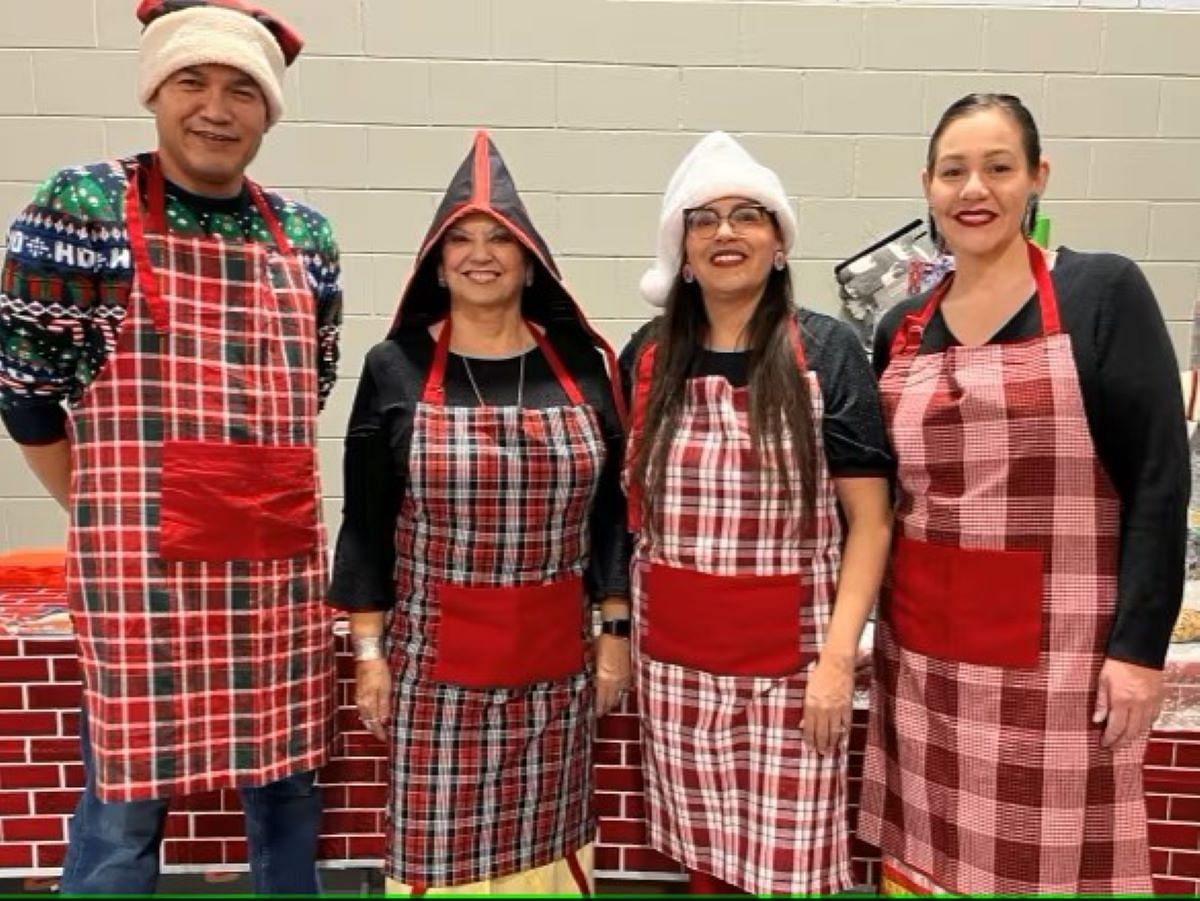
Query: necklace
475, 386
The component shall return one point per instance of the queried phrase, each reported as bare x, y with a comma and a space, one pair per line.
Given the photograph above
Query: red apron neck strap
797, 343
908, 337
1047, 296
156, 197
639, 399
435, 384
282, 244
143, 266
565, 379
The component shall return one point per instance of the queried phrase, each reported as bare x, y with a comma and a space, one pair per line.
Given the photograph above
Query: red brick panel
51, 855
20, 775
24, 670
40, 775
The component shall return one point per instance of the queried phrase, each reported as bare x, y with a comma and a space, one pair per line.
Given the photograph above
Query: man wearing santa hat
168, 331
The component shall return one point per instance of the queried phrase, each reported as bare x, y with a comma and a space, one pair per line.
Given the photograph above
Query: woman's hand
373, 695
612, 672
1129, 698
827, 703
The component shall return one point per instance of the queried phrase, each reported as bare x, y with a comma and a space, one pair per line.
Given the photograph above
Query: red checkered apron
493, 710
732, 602
196, 564
984, 771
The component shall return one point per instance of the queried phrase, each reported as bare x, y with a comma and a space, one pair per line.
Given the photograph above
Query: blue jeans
114, 845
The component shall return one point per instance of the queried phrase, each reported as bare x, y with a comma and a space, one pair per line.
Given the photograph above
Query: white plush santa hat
718, 166
236, 33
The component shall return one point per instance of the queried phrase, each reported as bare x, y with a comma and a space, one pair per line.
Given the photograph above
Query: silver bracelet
367, 647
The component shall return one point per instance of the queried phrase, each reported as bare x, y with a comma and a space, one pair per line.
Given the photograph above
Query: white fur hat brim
718, 166
211, 35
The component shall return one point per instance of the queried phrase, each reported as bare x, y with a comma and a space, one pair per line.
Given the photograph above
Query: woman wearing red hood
483, 509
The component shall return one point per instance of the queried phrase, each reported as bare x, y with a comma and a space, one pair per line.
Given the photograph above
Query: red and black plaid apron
494, 707
196, 555
733, 600
983, 770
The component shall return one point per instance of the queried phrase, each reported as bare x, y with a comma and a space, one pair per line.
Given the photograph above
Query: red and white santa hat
718, 166
235, 33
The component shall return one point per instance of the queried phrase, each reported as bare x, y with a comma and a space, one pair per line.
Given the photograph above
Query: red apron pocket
968, 605
237, 502
493, 637
728, 625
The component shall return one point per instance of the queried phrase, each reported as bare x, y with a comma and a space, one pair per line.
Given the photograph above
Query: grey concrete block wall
593, 102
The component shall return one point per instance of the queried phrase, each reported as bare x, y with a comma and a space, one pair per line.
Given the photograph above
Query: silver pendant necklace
475, 386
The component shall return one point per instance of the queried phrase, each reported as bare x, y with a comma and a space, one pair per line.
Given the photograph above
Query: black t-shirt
379, 438
1130, 385
852, 427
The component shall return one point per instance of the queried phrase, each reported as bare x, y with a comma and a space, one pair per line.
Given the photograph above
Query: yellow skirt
901, 880
559, 877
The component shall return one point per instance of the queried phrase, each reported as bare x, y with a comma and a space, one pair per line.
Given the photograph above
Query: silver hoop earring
441, 280
688, 275
528, 276
780, 261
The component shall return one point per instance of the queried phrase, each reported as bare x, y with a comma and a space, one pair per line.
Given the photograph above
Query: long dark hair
1031, 141
778, 391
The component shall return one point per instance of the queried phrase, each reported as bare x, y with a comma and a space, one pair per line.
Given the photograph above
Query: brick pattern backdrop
40, 776
593, 103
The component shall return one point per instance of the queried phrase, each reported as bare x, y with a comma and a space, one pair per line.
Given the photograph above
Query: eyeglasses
704, 222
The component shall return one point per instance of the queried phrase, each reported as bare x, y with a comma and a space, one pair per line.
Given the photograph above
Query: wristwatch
622, 628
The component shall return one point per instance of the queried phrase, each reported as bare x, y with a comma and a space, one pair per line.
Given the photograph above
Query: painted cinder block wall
593, 102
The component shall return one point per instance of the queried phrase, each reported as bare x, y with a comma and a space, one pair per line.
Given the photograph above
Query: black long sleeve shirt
379, 440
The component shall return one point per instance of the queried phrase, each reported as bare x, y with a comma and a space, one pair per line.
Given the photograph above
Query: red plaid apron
983, 769
493, 707
196, 565
732, 605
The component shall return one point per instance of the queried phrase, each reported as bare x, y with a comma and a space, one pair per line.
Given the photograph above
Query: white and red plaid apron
732, 602
196, 555
983, 769
493, 710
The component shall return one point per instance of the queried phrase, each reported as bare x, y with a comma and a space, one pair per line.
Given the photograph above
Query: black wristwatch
622, 628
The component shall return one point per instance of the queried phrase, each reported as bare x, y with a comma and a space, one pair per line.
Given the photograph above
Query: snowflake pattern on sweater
68, 272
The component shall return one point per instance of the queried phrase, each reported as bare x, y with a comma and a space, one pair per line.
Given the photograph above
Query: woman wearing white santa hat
757, 474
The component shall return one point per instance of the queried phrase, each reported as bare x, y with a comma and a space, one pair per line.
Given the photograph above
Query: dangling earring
686, 272
934, 236
1031, 213
441, 279
528, 276
780, 260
